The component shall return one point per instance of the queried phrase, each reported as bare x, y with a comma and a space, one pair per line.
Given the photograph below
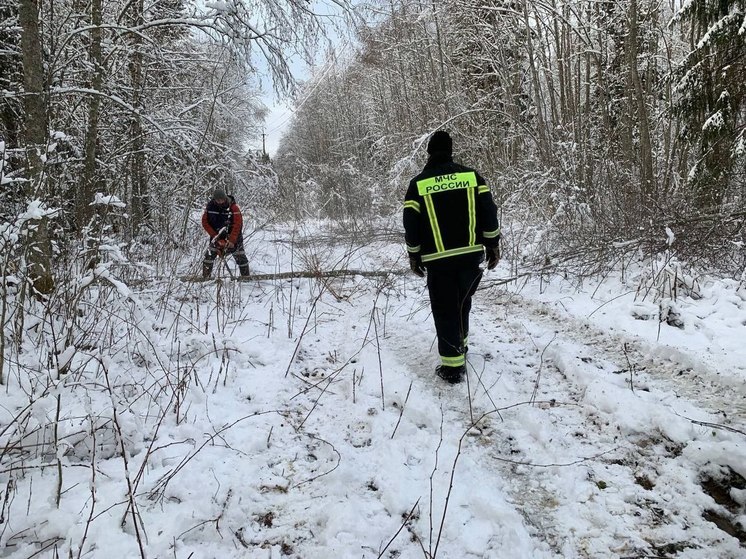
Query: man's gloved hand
415, 263
229, 245
493, 255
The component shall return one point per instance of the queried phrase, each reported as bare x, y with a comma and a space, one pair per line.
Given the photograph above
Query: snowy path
302, 419
569, 458
683, 372
649, 474
614, 471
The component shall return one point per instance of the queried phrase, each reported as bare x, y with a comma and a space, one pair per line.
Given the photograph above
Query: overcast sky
278, 119
281, 112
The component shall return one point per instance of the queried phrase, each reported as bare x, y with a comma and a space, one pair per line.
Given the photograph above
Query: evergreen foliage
711, 101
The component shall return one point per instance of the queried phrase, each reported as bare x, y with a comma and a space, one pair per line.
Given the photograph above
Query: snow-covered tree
711, 98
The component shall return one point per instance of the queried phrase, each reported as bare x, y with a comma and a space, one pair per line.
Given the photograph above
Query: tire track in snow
686, 375
595, 466
569, 354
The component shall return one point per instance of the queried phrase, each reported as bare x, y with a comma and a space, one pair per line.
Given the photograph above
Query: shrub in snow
670, 313
642, 310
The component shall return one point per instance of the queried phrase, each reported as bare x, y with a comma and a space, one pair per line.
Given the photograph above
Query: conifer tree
711, 87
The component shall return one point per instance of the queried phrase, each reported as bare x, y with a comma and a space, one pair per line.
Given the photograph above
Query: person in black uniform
450, 223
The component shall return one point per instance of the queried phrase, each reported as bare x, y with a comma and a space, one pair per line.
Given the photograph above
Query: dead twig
713, 425
380, 364
160, 486
303, 332
93, 487
538, 373
132, 505
556, 464
339, 460
401, 413
407, 518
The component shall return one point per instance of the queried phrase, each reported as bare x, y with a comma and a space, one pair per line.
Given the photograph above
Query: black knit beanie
440, 142
218, 194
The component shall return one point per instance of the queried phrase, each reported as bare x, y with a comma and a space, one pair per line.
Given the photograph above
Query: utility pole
265, 156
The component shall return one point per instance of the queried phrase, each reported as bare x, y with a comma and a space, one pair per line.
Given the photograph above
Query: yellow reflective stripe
451, 252
491, 234
472, 217
413, 249
453, 361
434, 224
444, 183
413, 205
483, 188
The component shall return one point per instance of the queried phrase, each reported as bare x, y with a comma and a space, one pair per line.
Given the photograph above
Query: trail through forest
568, 439
301, 417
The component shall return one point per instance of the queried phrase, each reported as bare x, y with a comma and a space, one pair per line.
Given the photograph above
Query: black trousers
451, 290
238, 255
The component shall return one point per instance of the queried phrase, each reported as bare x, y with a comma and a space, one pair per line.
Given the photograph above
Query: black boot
243, 262
451, 374
208, 261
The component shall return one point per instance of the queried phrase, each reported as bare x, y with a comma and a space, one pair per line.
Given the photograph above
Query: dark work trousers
238, 255
451, 291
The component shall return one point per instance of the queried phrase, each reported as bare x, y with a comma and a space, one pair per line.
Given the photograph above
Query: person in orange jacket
223, 221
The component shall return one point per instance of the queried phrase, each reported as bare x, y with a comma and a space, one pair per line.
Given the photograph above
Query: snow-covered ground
301, 418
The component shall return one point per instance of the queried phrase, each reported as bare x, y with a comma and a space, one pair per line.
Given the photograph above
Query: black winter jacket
449, 214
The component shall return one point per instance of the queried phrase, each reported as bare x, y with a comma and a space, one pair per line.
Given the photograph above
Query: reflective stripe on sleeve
412, 205
491, 234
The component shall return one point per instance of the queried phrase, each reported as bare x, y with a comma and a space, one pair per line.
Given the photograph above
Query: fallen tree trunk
306, 274
485, 284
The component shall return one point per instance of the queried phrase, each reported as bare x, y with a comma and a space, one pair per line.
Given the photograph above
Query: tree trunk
39, 250
138, 177
542, 132
85, 194
646, 149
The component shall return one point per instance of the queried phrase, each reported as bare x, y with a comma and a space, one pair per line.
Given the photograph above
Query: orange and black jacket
224, 220
449, 214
